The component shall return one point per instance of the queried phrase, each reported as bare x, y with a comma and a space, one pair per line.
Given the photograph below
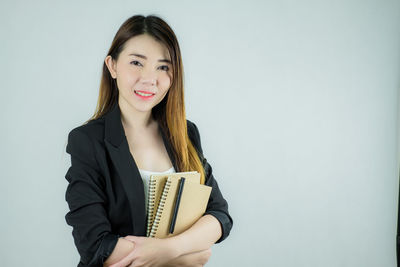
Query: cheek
129, 76
165, 81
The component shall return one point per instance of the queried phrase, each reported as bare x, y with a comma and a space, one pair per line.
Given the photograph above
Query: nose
150, 81
149, 77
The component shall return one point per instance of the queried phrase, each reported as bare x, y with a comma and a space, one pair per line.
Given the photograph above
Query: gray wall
296, 102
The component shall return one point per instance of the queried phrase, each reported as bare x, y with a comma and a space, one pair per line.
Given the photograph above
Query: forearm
206, 231
122, 248
192, 259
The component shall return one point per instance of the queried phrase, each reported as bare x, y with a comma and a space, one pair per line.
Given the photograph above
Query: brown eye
135, 62
166, 67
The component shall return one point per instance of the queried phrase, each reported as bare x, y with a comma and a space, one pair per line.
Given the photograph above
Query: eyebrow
144, 57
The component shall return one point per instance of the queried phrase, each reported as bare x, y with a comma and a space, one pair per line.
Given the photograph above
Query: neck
134, 120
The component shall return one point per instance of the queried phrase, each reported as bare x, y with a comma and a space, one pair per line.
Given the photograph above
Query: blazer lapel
118, 148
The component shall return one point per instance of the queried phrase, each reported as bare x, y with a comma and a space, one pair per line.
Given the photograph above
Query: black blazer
105, 193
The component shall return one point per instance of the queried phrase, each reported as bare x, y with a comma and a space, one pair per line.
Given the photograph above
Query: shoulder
193, 132
93, 130
82, 139
194, 135
191, 127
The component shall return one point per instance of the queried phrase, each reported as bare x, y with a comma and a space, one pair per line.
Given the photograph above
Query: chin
141, 108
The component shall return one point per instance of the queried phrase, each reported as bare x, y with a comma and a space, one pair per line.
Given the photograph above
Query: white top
146, 178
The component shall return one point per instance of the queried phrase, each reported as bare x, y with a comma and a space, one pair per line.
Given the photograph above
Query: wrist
173, 243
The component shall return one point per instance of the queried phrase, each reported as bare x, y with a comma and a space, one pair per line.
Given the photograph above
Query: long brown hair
170, 112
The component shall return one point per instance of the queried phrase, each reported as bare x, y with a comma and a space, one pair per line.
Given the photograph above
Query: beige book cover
156, 186
192, 206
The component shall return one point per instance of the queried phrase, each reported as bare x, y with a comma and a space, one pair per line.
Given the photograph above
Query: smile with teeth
142, 94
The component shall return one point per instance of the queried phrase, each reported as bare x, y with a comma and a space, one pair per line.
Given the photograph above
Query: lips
144, 95
144, 92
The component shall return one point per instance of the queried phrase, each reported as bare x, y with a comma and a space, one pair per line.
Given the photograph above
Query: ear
111, 66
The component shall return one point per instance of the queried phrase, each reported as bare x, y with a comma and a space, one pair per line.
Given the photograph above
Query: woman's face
143, 72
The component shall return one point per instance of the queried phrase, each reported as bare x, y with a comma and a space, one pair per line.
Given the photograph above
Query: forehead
146, 45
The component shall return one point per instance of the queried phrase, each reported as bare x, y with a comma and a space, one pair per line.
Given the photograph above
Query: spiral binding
160, 208
150, 203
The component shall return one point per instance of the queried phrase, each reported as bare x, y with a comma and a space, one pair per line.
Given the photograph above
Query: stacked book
175, 202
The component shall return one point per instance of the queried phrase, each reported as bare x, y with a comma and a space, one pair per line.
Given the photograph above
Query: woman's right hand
195, 259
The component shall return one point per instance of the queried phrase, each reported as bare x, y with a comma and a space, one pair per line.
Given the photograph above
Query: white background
296, 103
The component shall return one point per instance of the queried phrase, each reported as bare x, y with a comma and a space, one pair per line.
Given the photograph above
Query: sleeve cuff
107, 245
226, 224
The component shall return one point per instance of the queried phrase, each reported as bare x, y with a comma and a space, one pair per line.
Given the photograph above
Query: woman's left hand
147, 252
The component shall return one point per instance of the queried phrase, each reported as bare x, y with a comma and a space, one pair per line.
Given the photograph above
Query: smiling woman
139, 128
143, 74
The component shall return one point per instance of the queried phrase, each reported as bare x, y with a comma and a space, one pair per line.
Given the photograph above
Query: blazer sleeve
85, 195
217, 205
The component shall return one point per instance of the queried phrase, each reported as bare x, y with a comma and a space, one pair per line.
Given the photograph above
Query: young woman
139, 128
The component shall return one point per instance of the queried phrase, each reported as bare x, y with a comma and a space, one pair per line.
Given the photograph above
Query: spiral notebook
156, 187
193, 204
